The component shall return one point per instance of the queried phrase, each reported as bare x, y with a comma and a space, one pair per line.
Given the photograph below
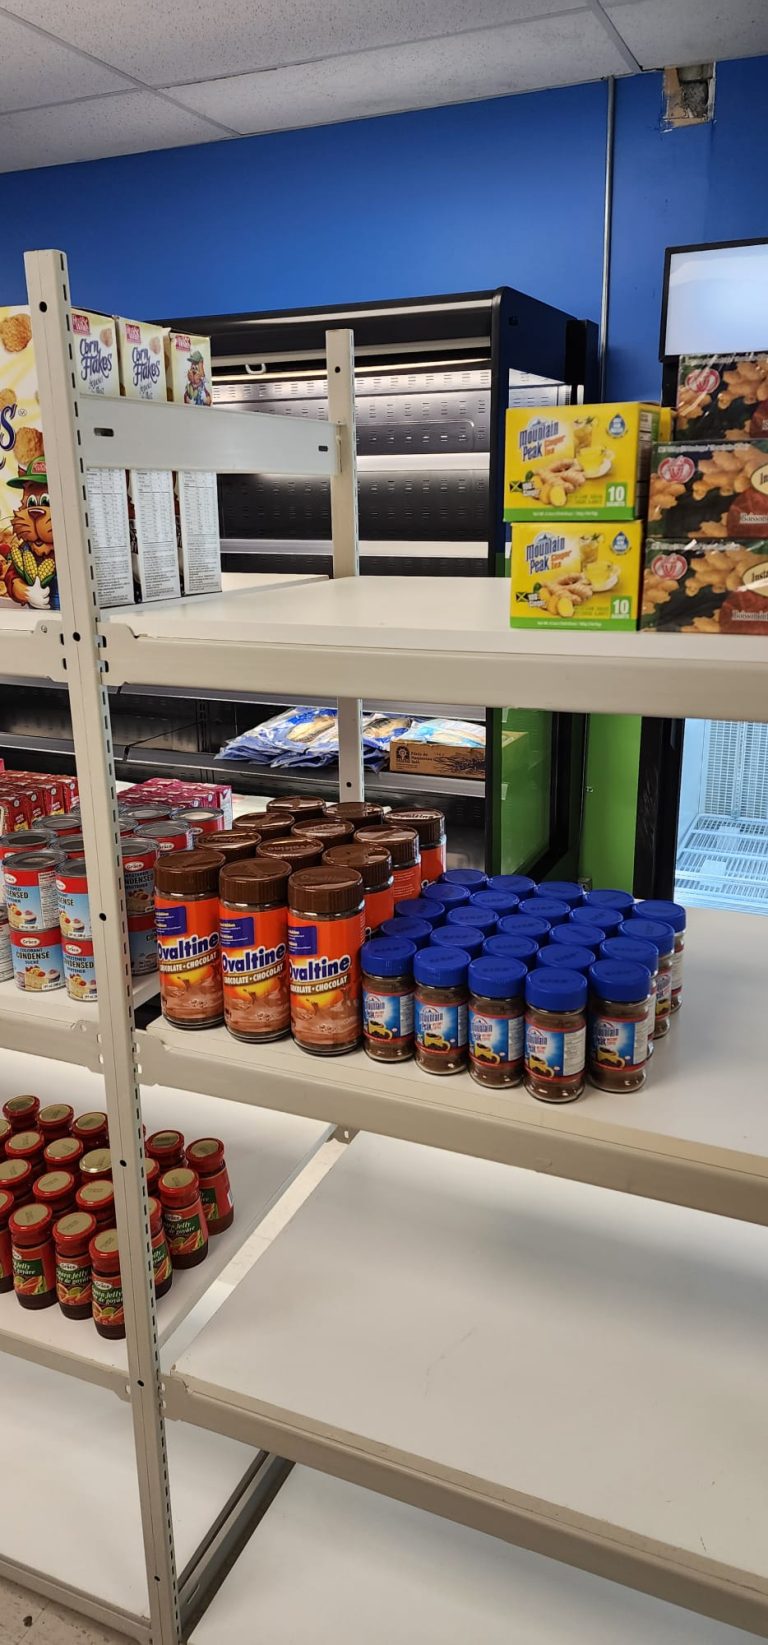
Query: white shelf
333, 1565
53, 1025
263, 1152
696, 1135
72, 1524
575, 1371
29, 643
139, 434
431, 639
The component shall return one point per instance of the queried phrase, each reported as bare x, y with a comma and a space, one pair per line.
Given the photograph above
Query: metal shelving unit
576, 1371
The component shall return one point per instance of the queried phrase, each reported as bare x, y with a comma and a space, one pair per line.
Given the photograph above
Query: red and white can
29, 880
139, 858
207, 819
142, 943
38, 963
6, 962
79, 968
174, 834
72, 889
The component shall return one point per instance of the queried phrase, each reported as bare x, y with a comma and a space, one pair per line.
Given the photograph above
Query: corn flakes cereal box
142, 360
94, 339
706, 587
27, 556
188, 371
714, 489
722, 397
576, 576
578, 462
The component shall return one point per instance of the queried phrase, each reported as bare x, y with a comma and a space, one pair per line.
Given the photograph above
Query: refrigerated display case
433, 379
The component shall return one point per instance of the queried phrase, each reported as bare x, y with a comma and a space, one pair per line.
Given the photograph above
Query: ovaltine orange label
324, 968
254, 970
189, 960
379, 906
407, 882
432, 863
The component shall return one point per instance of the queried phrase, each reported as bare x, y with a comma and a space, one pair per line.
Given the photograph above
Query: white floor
25, 1619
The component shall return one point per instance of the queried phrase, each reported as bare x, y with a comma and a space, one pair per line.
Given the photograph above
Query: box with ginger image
576, 576
27, 557
722, 396
705, 587
579, 462
718, 489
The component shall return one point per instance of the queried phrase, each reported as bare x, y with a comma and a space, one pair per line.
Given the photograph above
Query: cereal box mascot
27, 560
29, 571
197, 391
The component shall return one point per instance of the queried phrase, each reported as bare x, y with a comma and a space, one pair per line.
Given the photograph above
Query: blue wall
463, 198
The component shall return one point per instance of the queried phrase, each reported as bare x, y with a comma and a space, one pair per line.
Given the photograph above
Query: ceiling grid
77, 84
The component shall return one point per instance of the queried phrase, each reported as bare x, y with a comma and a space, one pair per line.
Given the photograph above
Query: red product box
50, 790
15, 809
185, 794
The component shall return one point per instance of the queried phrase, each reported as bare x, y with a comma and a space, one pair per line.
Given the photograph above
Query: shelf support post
339, 348
86, 665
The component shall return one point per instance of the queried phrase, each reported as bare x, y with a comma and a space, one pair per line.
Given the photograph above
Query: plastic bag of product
449, 733
292, 730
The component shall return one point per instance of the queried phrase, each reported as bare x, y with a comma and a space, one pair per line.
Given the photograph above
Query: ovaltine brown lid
300, 852
302, 805
325, 890
429, 825
401, 843
360, 812
269, 825
234, 845
331, 830
372, 861
188, 873
258, 881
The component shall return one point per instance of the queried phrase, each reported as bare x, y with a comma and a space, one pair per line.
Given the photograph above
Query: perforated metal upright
71, 441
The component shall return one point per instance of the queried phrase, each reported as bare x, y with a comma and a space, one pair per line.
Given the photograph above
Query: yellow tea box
142, 360
188, 368
576, 576
578, 462
27, 557
94, 339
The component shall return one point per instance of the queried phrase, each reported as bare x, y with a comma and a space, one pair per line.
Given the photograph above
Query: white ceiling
83, 79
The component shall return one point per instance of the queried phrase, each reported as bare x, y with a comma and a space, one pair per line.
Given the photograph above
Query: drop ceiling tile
195, 40
37, 71
665, 32
128, 123
489, 63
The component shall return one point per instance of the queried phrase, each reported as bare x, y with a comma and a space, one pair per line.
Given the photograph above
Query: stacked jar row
58, 1242
552, 984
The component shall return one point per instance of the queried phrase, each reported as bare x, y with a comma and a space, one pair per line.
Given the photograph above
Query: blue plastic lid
576, 936
511, 948
518, 884
497, 978
449, 895
473, 878
420, 908
553, 990
441, 967
603, 919
545, 908
632, 949
483, 919
655, 908
620, 980
573, 958
623, 900
525, 925
384, 957
502, 902
416, 931
563, 891
458, 936
656, 931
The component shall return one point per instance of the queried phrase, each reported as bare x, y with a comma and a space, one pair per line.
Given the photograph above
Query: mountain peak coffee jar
555, 1034
254, 947
188, 952
326, 930
374, 864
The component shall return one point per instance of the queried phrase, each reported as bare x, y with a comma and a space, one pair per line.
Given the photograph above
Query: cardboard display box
718, 489
576, 576
580, 462
722, 396
706, 588
435, 759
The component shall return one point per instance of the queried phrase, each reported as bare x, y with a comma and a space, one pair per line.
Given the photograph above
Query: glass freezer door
722, 841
